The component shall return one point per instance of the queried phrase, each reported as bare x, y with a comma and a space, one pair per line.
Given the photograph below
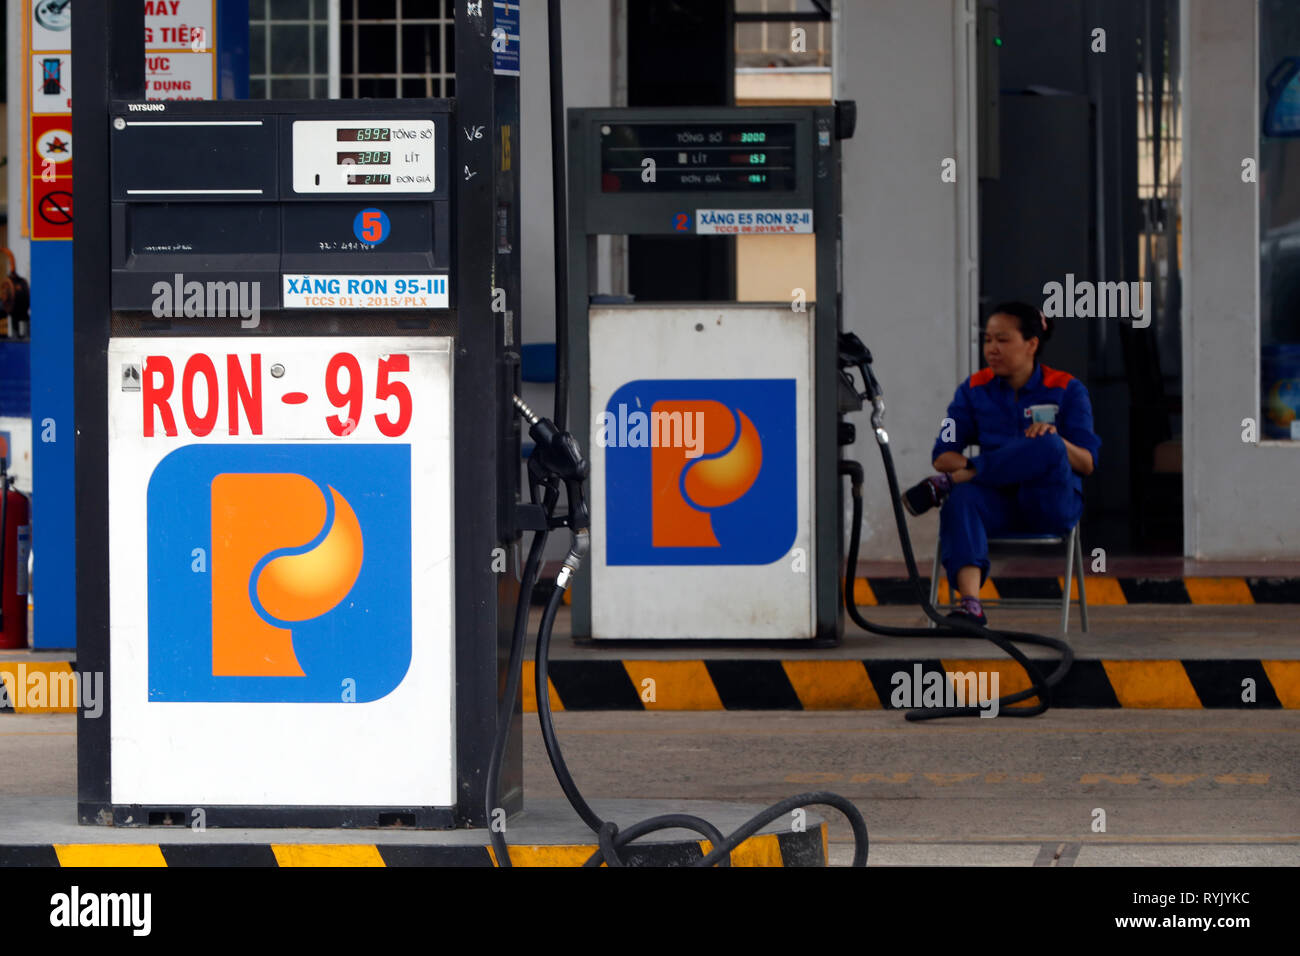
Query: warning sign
51, 24
51, 146
55, 146
179, 25
180, 46
51, 209
178, 76
180, 62
51, 82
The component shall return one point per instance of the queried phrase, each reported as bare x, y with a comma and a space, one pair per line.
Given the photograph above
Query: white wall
1239, 498
908, 256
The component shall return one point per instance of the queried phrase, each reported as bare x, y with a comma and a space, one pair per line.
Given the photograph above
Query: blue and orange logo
279, 573
700, 472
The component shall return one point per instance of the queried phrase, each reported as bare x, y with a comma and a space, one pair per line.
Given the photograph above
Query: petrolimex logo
279, 573
700, 472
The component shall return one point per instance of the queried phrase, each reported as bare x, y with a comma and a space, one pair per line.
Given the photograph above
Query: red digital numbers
348, 396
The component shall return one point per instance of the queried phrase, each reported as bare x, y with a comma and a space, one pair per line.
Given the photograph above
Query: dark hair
1033, 323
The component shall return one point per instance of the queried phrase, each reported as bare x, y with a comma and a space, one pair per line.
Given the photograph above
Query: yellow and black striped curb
1102, 590
751, 684
820, 684
795, 848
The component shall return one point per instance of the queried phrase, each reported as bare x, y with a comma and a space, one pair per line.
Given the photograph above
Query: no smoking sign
51, 210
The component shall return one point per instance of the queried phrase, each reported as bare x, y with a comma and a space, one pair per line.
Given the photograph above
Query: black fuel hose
948, 627
505, 710
611, 839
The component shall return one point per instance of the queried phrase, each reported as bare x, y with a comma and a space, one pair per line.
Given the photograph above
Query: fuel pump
296, 448
713, 427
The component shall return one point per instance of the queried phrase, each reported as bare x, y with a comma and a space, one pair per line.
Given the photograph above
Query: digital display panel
362, 155
370, 134
372, 158
697, 157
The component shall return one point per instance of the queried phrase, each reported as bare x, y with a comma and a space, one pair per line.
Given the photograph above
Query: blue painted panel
54, 624
232, 49
15, 379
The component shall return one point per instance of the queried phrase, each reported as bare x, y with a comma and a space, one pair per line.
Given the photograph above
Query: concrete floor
1177, 787
1212, 787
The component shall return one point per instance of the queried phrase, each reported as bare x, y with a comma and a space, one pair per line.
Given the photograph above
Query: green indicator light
997, 41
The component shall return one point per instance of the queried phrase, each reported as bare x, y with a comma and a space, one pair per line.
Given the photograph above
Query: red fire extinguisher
15, 518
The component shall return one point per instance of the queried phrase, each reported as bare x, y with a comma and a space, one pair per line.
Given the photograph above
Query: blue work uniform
1021, 485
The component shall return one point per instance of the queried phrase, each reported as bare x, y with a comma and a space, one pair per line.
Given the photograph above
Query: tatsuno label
365, 292
753, 222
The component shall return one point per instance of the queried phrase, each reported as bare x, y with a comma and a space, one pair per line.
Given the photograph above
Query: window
398, 48
387, 48
288, 55
783, 52
766, 33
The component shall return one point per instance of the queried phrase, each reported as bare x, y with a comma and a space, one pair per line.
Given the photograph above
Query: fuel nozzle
557, 458
853, 353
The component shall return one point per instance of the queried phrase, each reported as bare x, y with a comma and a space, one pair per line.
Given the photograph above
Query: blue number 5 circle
371, 226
